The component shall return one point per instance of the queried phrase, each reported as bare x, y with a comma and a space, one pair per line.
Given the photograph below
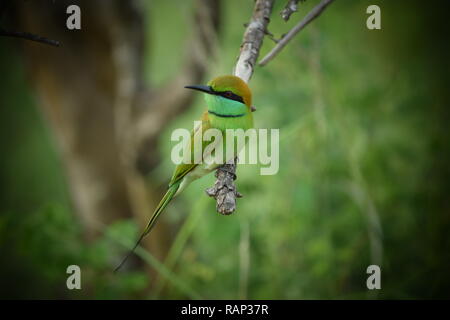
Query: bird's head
229, 87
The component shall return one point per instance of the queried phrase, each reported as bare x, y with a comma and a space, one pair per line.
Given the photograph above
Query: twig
224, 190
29, 36
289, 9
314, 13
271, 36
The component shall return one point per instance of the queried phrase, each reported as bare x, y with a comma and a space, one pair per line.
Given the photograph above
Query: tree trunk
104, 119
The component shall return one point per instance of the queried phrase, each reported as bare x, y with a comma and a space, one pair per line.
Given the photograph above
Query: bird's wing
182, 169
180, 172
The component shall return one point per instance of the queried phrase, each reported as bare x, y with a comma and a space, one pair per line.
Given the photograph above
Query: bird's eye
228, 94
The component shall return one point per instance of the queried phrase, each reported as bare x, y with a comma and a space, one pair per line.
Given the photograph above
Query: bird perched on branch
229, 106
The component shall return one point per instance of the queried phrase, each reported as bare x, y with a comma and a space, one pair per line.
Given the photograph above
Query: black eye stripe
228, 95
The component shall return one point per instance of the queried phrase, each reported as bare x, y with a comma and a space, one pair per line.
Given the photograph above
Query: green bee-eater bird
229, 102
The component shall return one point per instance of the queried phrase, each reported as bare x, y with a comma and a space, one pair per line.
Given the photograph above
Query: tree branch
289, 9
29, 36
253, 38
224, 190
314, 13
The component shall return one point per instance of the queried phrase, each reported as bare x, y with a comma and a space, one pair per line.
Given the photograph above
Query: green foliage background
363, 120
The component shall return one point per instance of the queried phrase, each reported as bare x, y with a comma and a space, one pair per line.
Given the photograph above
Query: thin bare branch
29, 36
224, 190
314, 13
289, 9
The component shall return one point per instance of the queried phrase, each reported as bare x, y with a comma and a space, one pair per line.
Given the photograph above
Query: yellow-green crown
233, 84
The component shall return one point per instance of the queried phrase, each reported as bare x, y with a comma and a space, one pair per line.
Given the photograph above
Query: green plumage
223, 113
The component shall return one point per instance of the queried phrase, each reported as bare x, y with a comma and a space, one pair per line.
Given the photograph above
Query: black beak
205, 89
